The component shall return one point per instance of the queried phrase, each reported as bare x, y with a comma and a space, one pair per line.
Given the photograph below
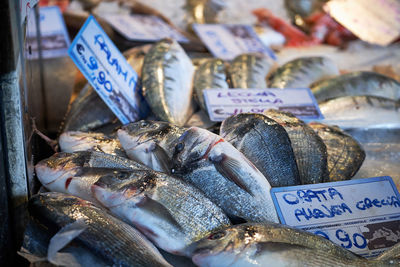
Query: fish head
192, 147
79, 141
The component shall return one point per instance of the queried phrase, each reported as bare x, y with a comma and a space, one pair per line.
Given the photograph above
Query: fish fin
160, 158
157, 209
230, 168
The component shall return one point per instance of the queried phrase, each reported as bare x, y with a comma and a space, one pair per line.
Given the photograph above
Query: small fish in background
345, 154
250, 70
264, 245
301, 72
167, 82
266, 144
115, 242
356, 84
237, 186
309, 149
202, 11
170, 212
150, 142
362, 111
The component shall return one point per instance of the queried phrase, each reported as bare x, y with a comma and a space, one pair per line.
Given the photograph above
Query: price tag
107, 71
361, 215
143, 27
222, 103
53, 34
227, 41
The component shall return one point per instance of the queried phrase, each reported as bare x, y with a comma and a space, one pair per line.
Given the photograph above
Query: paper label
222, 103
107, 71
373, 21
54, 36
227, 41
361, 215
143, 27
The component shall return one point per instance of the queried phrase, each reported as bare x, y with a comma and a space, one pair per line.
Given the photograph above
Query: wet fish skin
250, 70
111, 239
301, 72
255, 244
345, 154
274, 154
135, 57
167, 81
309, 149
74, 141
356, 83
236, 185
170, 212
203, 11
150, 142
361, 112
210, 74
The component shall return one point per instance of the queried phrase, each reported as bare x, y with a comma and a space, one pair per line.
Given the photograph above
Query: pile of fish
201, 193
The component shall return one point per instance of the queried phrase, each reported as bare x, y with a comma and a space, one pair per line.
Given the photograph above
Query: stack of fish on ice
195, 193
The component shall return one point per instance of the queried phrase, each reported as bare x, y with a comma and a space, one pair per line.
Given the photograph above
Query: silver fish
170, 212
135, 57
356, 83
301, 72
250, 70
224, 174
167, 81
203, 11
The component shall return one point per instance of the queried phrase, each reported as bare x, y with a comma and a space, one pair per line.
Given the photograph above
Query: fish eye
217, 235
121, 175
179, 147
143, 124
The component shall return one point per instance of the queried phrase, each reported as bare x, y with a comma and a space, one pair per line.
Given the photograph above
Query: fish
150, 143
168, 211
250, 70
74, 141
135, 57
301, 72
345, 154
117, 243
361, 112
261, 244
309, 149
224, 175
167, 81
202, 11
210, 74
273, 155
356, 83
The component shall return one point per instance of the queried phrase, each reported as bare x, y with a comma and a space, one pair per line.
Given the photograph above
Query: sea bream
117, 243
150, 142
266, 144
301, 72
224, 174
355, 84
250, 70
265, 245
167, 81
170, 212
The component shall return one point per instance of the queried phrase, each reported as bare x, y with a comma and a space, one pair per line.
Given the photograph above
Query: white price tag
226, 41
143, 27
222, 103
107, 71
361, 215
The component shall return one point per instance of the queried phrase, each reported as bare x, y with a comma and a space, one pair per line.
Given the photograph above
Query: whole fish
109, 238
224, 174
150, 142
170, 212
361, 112
356, 83
250, 70
167, 81
274, 245
266, 144
210, 74
301, 72
74, 141
309, 149
345, 154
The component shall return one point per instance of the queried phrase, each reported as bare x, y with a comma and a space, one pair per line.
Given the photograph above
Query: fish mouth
131, 142
48, 174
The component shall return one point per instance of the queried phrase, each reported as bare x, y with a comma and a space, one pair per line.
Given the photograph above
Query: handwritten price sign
360, 215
